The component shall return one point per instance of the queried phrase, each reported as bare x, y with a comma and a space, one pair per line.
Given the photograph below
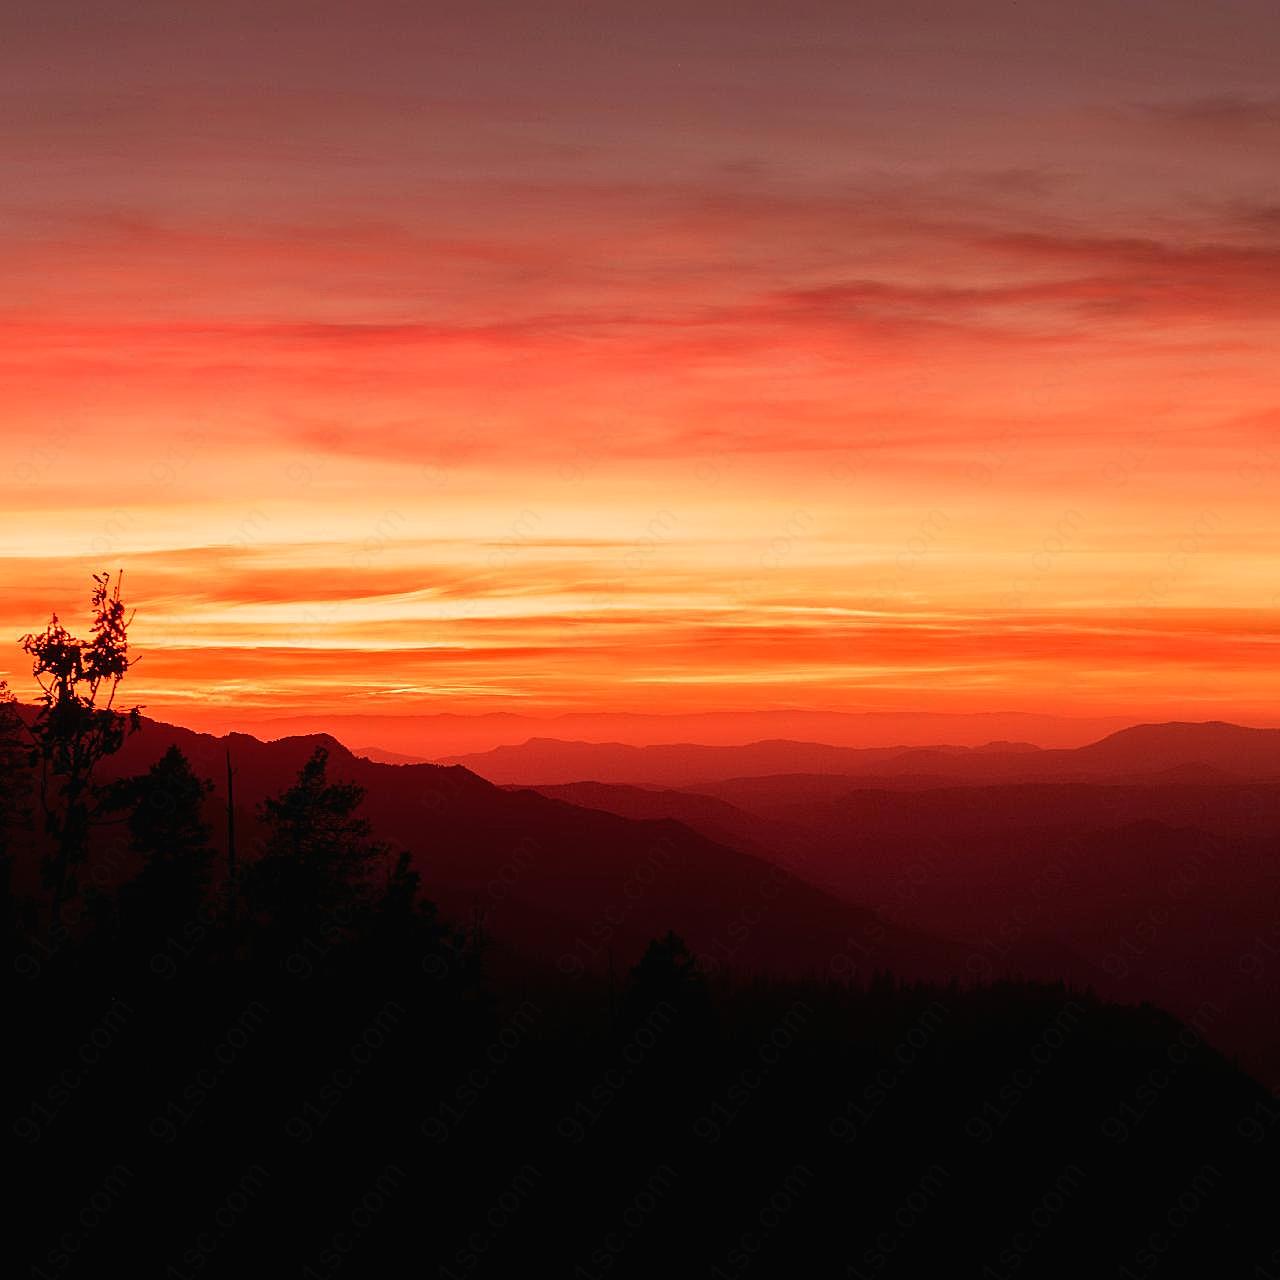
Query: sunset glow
545, 358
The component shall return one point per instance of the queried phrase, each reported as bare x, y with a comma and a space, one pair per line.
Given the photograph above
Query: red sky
685, 356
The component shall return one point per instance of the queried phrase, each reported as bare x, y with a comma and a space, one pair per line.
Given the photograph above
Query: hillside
565, 884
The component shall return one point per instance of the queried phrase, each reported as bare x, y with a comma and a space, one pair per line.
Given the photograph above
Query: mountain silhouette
713, 817
1232, 748
1165, 889
1202, 751
549, 761
560, 883
450, 733
313, 1051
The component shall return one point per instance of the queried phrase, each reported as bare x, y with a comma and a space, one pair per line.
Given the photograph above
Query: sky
690, 357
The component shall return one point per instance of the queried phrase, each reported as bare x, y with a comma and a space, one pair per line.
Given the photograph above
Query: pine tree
167, 829
317, 867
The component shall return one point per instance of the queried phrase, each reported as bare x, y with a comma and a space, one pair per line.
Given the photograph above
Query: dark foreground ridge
326, 1106
261, 1027
302, 1069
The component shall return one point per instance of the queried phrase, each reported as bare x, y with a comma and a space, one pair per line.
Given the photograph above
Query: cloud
1220, 117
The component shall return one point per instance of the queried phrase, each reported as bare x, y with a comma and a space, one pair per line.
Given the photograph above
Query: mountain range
1143, 864
563, 885
1206, 752
428, 736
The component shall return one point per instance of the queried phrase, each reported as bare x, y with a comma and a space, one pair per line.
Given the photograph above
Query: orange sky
682, 356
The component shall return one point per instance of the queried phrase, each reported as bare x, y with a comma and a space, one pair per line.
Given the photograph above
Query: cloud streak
714, 354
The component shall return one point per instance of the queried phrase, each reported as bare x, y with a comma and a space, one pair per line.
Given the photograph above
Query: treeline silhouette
283, 1062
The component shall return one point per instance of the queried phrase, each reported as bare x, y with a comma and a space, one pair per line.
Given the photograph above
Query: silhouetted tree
14, 787
13, 761
77, 725
667, 975
405, 927
167, 828
318, 861
399, 899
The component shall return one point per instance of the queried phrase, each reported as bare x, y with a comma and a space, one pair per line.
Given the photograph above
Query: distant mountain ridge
1163, 889
426, 736
563, 885
550, 760
1232, 748
1198, 751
